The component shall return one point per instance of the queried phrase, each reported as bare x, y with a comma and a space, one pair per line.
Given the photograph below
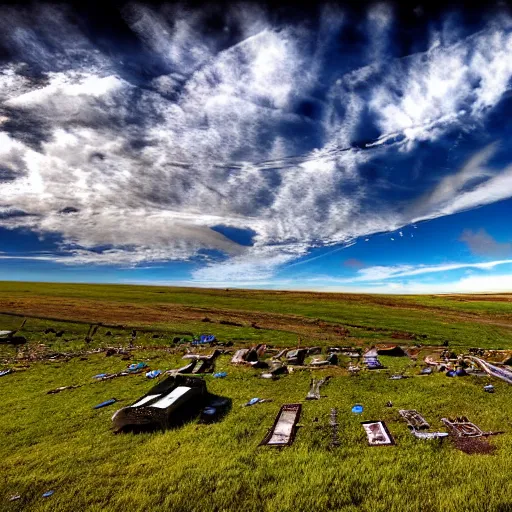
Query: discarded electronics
371, 360
283, 431
377, 433
296, 357
171, 402
314, 389
10, 337
417, 425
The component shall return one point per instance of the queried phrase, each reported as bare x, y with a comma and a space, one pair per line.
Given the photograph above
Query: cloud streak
253, 131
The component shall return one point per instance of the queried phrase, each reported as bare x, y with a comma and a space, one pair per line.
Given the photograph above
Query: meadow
59, 442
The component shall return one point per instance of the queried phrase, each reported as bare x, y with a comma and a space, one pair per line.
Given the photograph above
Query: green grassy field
58, 442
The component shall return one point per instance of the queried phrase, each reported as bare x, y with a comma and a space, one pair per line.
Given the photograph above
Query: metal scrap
314, 389
414, 419
284, 428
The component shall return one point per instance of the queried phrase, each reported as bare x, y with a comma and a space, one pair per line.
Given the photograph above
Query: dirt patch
473, 445
403, 336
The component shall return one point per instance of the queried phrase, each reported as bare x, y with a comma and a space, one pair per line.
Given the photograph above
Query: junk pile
417, 425
284, 428
170, 403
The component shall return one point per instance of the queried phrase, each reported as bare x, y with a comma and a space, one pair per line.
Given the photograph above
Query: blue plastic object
100, 376
451, 373
153, 374
204, 338
461, 372
47, 494
105, 404
253, 401
357, 409
5, 372
136, 366
220, 375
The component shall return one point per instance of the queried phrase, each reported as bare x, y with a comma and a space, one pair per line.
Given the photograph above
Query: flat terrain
59, 442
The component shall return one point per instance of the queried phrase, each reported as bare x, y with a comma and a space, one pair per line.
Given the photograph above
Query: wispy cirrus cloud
253, 130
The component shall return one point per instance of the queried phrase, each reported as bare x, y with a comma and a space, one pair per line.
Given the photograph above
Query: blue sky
230, 147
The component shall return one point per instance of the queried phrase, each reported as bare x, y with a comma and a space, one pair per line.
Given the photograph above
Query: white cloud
149, 176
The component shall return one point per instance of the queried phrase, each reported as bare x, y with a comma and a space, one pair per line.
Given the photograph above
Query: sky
340, 147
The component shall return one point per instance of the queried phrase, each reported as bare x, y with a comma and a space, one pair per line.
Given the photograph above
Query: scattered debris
489, 388
137, 367
91, 332
10, 337
371, 360
254, 401
314, 390
15, 497
276, 368
47, 494
283, 431
398, 376
426, 371
296, 357
391, 350
389, 403
170, 402
205, 364
414, 419
184, 369
204, 339
220, 375
462, 427
5, 372
377, 433
62, 388
105, 404
353, 369
153, 374
493, 370
357, 409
